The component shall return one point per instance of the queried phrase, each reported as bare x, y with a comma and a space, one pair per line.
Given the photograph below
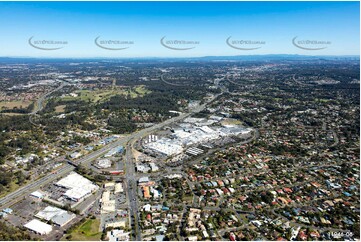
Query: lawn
14, 104
13, 114
60, 109
88, 231
231, 121
141, 90
105, 94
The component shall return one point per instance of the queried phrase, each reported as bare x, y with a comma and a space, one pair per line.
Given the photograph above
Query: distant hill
273, 57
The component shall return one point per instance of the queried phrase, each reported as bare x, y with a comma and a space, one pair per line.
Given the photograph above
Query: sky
253, 28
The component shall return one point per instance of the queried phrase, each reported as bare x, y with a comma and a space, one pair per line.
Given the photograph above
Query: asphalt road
27, 189
130, 173
131, 186
39, 104
130, 169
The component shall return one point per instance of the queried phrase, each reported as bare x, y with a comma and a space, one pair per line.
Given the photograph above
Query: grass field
60, 108
88, 231
105, 94
13, 114
230, 121
13, 104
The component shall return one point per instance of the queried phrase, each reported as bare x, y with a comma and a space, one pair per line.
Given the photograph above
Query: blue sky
209, 23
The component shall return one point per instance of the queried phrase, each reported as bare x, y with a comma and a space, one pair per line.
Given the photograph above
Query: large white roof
37, 194
78, 185
77, 193
49, 212
38, 226
118, 188
74, 180
57, 215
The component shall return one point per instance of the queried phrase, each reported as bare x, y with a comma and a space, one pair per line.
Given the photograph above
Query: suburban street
130, 176
17, 195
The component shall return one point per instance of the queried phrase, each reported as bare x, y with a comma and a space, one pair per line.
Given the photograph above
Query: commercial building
153, 167
108, 206
109, 185
118, 188
191, 134
104, 163
142, 168
165, 147
38, 227
116, 224
117, 235
114, 151
37, 194
58, 216
78, 186
75, 155
143, 180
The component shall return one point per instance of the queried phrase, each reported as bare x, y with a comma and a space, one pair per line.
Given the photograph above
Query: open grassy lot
12, 114
87, 231
104, 94
60, 108
230, 121
14, 104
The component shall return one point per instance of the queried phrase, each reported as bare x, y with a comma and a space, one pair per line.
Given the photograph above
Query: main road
130, 177
40, 102
17, 195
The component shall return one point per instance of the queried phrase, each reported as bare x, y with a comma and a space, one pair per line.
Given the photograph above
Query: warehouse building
114, 151
37, 194
118, 188
38, 227
58, 216
165, 147
103, 164
78, 186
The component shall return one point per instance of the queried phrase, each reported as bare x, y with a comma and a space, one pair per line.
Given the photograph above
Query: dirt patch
60, 109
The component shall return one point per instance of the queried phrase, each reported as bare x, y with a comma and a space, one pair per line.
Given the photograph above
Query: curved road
39, 103
169, 83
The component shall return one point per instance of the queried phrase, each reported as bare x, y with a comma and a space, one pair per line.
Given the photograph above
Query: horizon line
177, 57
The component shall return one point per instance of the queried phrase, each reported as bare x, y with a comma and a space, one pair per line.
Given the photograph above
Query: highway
15, 196
39, 103
27, 189
131, 182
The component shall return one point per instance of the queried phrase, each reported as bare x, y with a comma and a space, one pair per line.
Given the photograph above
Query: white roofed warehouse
38, 227
78, 186
58, 216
